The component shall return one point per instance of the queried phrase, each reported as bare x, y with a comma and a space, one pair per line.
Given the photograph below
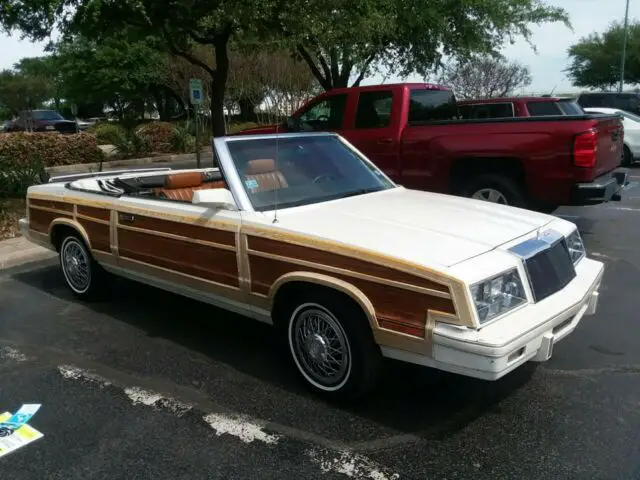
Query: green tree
344, 43
113, 71
595, 59
19, 91
43, 67
340, 41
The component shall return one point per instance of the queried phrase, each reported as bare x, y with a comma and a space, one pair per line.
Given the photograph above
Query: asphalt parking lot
151, 385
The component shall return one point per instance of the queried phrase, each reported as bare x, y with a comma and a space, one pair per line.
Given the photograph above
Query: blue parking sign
195, 91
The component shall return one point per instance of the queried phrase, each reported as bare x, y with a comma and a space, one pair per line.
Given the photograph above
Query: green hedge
16, 176
53, 148
158, 135
108, 133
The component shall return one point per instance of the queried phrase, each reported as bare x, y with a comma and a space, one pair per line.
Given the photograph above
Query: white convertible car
303, 232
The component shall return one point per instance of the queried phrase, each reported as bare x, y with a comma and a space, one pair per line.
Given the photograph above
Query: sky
552, 42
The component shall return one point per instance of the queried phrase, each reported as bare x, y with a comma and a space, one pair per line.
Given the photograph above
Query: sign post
74, 112
196, 97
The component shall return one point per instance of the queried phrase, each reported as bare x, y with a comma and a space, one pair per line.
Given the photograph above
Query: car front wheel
332, 345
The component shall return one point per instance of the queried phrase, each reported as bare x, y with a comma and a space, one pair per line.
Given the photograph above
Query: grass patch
11, 210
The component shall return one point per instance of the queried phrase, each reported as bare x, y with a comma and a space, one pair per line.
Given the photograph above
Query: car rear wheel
331, 345
83, 275
496, 189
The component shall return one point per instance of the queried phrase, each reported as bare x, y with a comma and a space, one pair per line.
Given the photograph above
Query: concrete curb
19, 251
107, 165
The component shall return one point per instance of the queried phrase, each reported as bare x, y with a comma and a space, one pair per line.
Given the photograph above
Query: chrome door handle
127, 217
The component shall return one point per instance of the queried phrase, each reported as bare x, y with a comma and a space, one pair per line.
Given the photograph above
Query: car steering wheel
325, 176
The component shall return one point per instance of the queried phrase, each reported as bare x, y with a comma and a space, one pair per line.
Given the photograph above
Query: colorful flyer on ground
14, 432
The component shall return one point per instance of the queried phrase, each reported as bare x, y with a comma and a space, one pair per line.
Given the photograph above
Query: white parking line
10, 353
74, 373
247, 429
243, 428
352, 465
153, 399
626, 209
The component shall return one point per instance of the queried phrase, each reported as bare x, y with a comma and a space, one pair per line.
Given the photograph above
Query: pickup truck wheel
332, 345
496, 189
83, 275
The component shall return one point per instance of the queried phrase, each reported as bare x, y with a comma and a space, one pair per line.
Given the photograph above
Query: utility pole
624, 47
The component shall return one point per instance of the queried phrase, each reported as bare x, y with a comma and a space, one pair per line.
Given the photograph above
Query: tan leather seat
264, 175
180, 186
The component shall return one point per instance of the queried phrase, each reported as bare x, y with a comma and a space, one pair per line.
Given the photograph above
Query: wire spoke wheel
76, 265
320, 347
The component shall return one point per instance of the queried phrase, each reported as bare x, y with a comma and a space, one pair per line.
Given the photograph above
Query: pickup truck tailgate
610, 145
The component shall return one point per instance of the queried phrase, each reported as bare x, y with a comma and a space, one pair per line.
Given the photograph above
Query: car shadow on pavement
409, 399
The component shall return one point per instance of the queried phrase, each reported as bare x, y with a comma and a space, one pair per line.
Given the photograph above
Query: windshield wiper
361, 191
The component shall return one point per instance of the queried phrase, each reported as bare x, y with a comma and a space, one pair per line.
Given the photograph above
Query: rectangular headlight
498, 295
576, 247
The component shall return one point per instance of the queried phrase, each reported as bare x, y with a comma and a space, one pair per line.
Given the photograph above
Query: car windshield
281, 172
46, 115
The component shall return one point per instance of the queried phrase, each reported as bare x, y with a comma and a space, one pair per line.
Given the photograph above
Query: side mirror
215, 198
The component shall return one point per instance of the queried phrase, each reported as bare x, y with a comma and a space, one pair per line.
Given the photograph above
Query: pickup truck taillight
585, 148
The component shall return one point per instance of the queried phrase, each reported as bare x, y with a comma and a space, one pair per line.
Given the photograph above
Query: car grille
550, 270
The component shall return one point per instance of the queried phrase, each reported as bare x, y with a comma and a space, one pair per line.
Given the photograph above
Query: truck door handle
126, 217
385, 141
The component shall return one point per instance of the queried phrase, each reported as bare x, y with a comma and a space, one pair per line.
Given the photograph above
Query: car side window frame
383, 95
327, 98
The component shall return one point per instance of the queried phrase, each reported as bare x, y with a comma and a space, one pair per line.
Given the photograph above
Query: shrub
53, 148
107, 133
158, 134
181, 141
17, 176
132, 144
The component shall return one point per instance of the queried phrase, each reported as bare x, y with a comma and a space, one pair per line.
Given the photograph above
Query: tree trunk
217, 109
218, 86
247, 109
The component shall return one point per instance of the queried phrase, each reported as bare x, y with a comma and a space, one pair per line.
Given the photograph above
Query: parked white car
303, 232
631, 123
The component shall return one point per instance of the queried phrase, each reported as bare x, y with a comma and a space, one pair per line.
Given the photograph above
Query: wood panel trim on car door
197, 251
403, 301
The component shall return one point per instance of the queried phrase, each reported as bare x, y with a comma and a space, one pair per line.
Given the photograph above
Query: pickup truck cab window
543, 109
432, 105
327, 114
487, 110
374, 109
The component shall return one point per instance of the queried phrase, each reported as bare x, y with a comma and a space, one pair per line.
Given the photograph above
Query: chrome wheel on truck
496, 188
490, 195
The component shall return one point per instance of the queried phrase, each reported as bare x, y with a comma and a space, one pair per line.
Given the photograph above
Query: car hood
430, 229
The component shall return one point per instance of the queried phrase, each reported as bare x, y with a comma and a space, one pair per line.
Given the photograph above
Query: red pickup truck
416, 133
